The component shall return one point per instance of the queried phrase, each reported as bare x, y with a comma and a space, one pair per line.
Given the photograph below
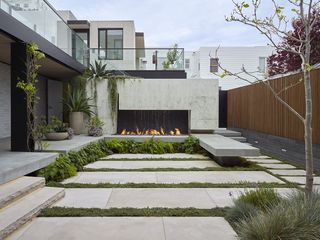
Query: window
214, 65
187, 63
262, 64
111, 44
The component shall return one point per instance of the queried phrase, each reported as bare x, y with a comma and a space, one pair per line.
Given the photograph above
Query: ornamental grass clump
251, 202
293, 218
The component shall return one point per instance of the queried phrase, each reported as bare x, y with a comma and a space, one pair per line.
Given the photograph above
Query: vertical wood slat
254, 107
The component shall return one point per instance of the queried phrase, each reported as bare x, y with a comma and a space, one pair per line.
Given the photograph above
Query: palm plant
76, 101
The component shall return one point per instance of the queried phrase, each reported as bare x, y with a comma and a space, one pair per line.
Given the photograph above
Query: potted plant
95, 127
56, 130
77, 105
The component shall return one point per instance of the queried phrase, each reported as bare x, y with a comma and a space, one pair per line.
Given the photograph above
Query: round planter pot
76, 122
95, 132
57, 136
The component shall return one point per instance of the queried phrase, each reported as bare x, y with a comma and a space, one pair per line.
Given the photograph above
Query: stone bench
220, 146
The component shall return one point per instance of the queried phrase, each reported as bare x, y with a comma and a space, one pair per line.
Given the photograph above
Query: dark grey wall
55, 94
5, 102
283, 148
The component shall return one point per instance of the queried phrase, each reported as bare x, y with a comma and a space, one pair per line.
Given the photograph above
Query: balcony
151, 59
39, 16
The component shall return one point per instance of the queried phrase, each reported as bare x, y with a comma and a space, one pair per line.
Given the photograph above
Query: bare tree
277, 27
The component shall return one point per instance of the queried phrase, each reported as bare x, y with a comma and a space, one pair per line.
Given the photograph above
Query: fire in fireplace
153, 122
173, 132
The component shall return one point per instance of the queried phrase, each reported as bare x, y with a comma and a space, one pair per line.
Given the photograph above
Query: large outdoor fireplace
153, 122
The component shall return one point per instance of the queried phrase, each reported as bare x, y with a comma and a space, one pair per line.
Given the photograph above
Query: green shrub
130, 146
114, 145
295, 218
250, 202
191, 145
61, 169
156, 147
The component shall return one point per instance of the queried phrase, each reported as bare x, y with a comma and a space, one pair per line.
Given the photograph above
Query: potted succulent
56, 130
77, 105
95, 127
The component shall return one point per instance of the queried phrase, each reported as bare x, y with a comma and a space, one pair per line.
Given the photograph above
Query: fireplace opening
153, 122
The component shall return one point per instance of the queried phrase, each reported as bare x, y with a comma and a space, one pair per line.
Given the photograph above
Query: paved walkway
128, 228
167, 156
153, 197
217, 177
151, 164
155, 228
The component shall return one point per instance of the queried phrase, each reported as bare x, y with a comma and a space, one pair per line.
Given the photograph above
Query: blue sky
190, 23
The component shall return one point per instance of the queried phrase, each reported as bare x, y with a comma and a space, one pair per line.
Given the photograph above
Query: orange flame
173, 132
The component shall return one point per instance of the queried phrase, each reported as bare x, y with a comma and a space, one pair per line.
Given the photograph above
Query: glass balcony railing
39, 16
139, 58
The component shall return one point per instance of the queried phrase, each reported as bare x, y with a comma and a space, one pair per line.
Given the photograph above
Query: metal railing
42, 18
139, 58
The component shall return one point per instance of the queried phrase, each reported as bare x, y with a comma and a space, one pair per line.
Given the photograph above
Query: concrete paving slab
160, 197
154, 197
174, 177
241, 176
198, 228
113, 177
157, 156
17, 164
221, 146
151, 164
262, 160
301, 180
93, 228
293, 172
85, 198
105, 164
74, 144
276, 166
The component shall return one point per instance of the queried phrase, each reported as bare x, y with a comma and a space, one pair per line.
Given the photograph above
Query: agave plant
97, 71
76, 101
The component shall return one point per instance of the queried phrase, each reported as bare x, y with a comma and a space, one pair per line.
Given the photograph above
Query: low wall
200, 96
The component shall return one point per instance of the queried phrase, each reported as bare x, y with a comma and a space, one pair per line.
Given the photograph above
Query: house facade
159, 96
203, 63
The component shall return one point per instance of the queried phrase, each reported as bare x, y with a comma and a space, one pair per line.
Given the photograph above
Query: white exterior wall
232, 59
5, 100
129, 41
200, 96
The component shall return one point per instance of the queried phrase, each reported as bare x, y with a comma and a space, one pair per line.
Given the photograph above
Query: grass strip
132, 212
180, 185
173, 169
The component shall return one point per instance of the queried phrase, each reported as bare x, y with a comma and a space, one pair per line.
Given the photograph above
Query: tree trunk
308, 134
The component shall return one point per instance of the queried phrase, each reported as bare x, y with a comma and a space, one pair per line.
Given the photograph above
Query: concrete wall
231, 58
5, 101
200, 96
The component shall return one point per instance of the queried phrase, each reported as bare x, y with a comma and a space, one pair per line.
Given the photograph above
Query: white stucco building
197, 63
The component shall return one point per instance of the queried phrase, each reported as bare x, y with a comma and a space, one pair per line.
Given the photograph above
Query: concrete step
18, 188
227, 133
23, 210
239, 139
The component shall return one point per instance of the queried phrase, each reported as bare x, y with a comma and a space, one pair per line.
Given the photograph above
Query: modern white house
203, 63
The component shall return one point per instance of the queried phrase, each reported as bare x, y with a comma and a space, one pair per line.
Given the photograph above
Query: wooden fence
255, 108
